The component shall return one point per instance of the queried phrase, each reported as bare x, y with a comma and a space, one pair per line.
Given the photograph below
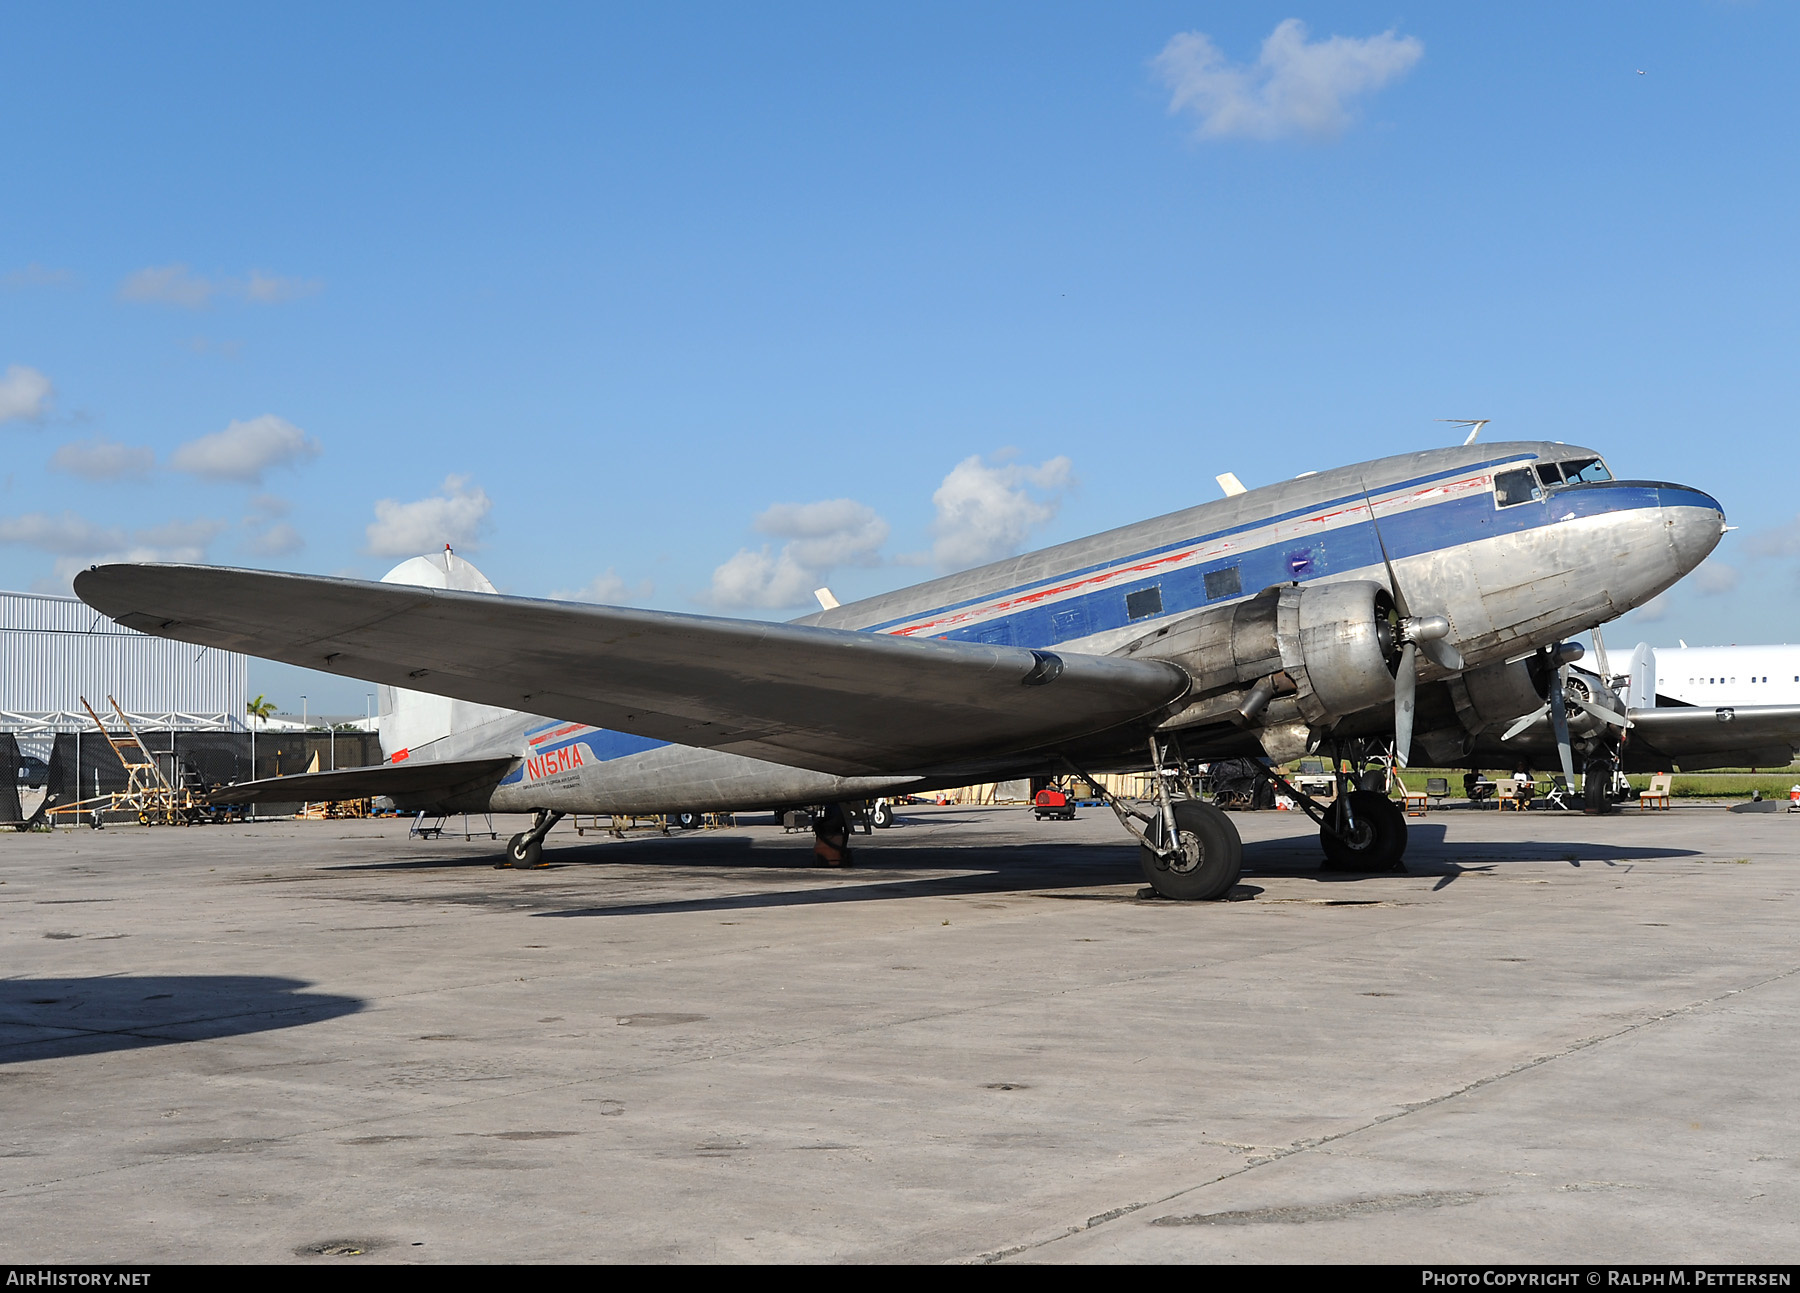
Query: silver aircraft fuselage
1473, 532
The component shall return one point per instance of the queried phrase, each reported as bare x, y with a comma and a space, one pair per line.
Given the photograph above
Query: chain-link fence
83, 765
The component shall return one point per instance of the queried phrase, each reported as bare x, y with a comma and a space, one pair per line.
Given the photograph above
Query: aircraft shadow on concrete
49, 1018
1048, 869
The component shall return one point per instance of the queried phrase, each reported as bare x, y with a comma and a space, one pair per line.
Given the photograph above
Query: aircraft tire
1380, 840
1596, 787
882, 815
690, 821
1212, 855
524, 856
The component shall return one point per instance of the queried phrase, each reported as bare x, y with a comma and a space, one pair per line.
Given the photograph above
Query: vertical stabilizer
1640, 692
412, 721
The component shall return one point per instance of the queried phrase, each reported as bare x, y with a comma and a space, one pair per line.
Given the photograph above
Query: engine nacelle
1291, 659
1496, 694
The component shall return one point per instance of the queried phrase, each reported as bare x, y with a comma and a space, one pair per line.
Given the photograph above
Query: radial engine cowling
1290, 659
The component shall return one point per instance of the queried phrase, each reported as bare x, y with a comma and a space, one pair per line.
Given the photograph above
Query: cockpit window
1550, 473
1511, 487
1581, 470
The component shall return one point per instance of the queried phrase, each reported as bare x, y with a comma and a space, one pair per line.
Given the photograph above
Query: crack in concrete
1405, 1111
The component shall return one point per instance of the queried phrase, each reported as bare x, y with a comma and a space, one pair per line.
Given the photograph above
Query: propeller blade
1393, 579
1559, 723
1443, 654
1521, 724
1406, 682
1431, 632
1602, 713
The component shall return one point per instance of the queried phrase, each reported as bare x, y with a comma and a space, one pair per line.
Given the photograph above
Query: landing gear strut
526, 849
1190, 850
1360, 830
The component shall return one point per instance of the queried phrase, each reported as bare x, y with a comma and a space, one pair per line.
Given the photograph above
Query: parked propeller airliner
1326, 611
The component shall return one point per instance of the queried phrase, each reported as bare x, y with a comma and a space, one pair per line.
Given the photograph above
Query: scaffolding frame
148, 793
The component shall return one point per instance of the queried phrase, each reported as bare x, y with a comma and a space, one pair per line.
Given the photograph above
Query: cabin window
1223, 583
1144, 602
1514, 487
1580, 471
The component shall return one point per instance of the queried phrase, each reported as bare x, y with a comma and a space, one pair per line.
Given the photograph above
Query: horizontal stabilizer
833, 700
442, 776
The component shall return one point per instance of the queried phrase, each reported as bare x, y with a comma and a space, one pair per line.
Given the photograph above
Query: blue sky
693, 306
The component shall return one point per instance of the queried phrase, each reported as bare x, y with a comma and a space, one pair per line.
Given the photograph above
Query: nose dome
1696, 523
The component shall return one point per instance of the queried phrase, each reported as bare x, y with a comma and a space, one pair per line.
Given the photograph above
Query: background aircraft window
1223, 583
1584, 469
1512, 487
1145, 601
1549, 473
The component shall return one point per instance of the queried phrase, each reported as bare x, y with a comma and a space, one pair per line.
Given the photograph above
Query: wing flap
833, 700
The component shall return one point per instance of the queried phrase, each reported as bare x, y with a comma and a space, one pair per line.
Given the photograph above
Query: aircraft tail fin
411, 721
1640, 691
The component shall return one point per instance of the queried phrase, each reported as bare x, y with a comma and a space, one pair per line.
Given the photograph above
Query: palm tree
259, 709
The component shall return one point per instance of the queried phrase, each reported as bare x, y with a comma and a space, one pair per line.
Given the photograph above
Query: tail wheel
1209, 860
522, 853
690, 821
1377, 840
882, 815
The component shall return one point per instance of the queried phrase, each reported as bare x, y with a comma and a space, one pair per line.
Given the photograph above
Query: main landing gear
526, 849
1207, 857
1190, 851
1359, 830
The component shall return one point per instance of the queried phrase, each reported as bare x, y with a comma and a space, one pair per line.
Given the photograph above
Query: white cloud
24, 393
986, 511
188, 538
270, 536
78, 543
1654, 609
762, 579
607, 589
245, 450
269, 289
178, 285
103, 459
1296, 87
1715, 577
456, 516
821, 536
36, 275
168, 285
66, 535
278, 540
1776, 541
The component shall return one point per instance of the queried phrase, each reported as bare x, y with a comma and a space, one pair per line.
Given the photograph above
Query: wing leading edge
833, 700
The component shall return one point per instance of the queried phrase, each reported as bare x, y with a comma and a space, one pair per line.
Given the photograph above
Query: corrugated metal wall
55, 650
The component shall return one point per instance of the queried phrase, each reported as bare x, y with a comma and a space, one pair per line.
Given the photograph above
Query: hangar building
56, 650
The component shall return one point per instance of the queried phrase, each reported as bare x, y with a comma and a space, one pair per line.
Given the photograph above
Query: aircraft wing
828, 699
442, 776
1693, 737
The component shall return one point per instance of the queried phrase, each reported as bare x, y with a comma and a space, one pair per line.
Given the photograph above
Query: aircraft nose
1696, 522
